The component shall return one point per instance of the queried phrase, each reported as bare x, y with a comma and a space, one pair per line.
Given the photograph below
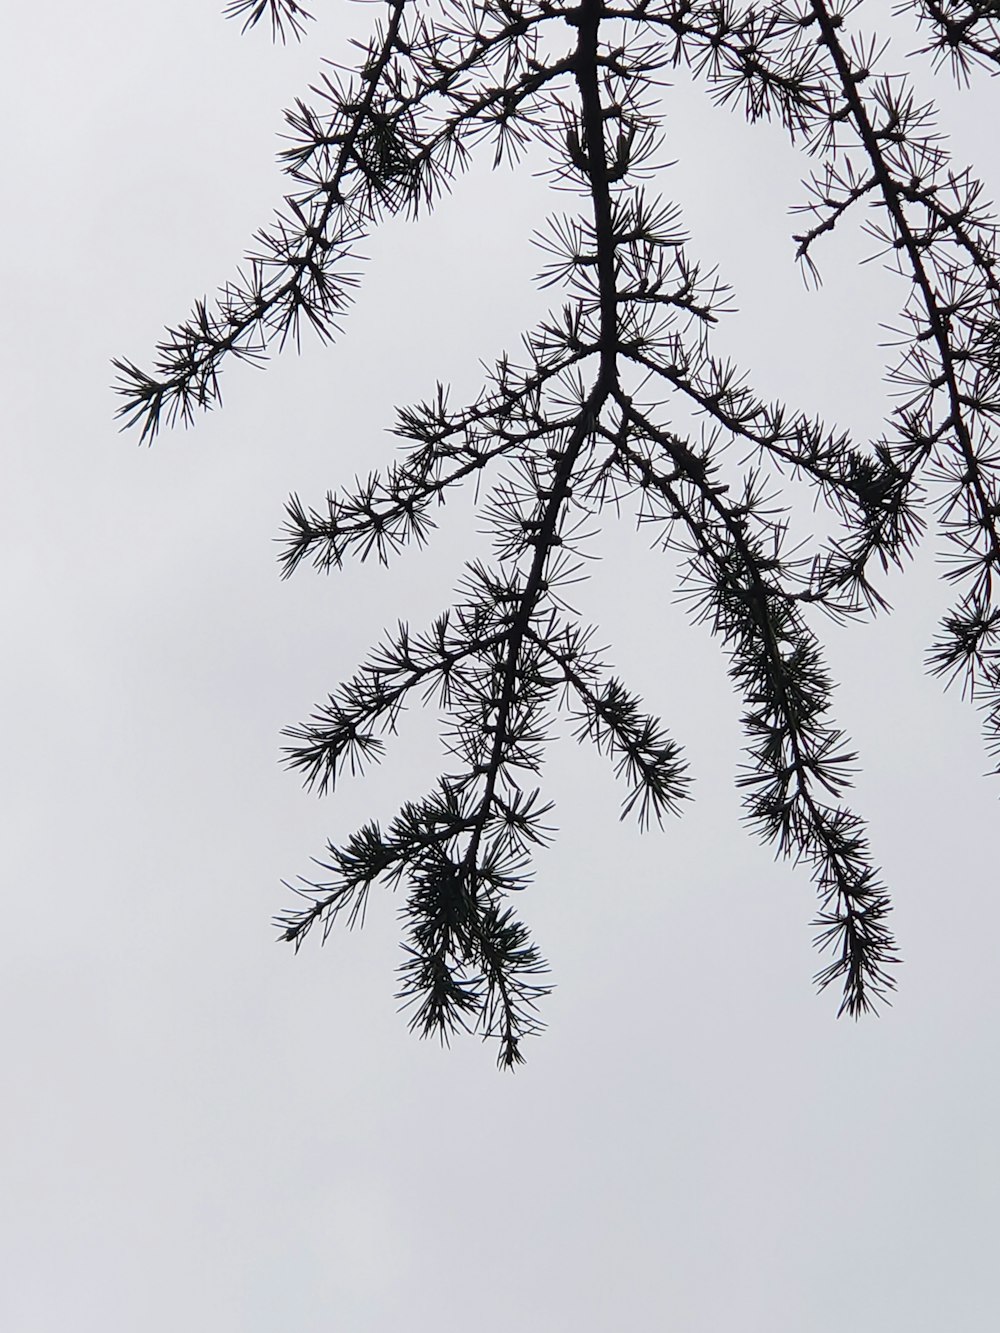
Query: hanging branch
577, 426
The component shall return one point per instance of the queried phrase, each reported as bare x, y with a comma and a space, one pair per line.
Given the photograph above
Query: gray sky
204, 1132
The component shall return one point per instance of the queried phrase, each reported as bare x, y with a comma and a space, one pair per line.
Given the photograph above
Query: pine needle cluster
575, 424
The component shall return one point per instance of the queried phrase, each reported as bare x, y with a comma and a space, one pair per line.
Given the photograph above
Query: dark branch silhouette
579, 426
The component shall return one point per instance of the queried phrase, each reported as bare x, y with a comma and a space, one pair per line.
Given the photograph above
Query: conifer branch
966, 33
577, 426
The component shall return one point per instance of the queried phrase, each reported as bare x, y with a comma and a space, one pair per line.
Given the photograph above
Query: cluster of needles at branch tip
575, 424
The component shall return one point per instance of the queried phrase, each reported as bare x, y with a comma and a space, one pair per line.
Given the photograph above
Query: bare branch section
575, 423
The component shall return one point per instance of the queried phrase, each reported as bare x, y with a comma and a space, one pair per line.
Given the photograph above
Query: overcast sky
204, 1132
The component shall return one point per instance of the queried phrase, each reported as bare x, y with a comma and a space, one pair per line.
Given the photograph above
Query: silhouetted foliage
576, 425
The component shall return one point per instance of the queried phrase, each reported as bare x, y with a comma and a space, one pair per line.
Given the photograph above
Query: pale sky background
202, 1131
